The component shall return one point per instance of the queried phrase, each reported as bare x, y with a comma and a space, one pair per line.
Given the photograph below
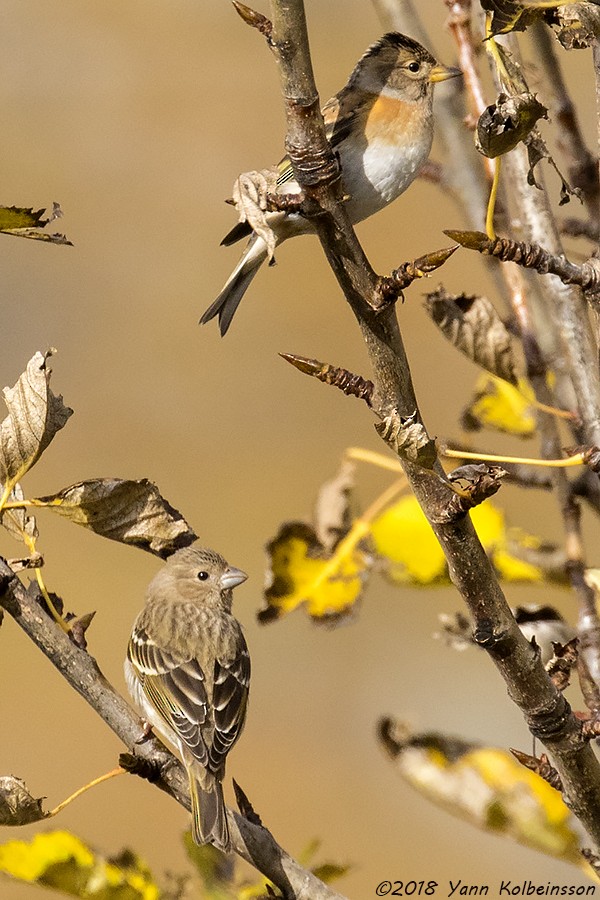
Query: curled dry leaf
507, 122
473, 326
17, 806
250, 192
408, 439
18, 522
35, 415
577, 24
538, 150
132, 512
333, 516
27, 223
474, 483
511, 15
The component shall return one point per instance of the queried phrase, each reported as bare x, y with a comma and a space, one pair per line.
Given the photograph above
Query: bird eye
414, 67
202, 576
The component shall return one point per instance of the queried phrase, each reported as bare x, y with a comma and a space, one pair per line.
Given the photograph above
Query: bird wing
338, 124
176, 688
230, 701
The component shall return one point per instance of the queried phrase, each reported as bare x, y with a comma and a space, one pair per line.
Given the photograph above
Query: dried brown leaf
333, 516
35, 415
510, 15
17, 806
538, 150
18, 522
78, 627
132, 512
472, 324
407, 438
507, 122
578, 24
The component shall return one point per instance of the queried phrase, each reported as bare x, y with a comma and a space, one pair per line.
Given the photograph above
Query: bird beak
443, 73
231, 577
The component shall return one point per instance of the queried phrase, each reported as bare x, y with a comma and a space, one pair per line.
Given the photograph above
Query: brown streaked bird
188, 671
381, 126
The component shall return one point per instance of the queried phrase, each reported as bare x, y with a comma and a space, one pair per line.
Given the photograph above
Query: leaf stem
107, 775
576, 460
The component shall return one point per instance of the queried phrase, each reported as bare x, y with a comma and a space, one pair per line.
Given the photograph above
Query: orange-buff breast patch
391, 120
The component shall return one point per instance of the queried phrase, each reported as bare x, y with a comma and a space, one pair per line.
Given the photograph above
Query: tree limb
546, 711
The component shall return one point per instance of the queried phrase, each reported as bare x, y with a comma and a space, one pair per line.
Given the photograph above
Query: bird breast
380, 165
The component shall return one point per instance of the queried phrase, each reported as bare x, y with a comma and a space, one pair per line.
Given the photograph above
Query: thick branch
546, 711
253, 843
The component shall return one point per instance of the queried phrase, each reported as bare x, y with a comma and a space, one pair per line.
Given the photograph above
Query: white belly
376, 176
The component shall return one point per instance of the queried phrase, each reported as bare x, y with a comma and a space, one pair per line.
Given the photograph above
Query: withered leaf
472, 324
511, 15
17, 806
578, 25
536, 151
333, 517
35, 415
250, 192
132, 512
507, 122
477, 482
28, 223
407, 438
18, 522
78, 627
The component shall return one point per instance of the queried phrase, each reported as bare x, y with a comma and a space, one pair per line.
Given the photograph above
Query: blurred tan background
137, 117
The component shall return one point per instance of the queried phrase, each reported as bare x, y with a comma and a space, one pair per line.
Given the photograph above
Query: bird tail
209, 819
237, 284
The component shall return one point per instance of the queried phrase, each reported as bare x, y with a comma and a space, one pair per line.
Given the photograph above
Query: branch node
473, 484
143, 768
541, 766
351, 384
532, 256
255, 20
390, 287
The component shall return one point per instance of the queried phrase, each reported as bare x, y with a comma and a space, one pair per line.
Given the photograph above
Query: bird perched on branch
188, 671
380, 125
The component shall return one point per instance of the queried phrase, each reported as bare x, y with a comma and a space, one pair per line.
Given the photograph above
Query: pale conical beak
231, 577
443, 73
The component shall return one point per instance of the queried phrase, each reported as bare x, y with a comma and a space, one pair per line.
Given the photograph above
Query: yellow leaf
304, 573
403, 536
489, 788
60, 860
502, 406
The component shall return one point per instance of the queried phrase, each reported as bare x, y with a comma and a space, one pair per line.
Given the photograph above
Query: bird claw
147, 732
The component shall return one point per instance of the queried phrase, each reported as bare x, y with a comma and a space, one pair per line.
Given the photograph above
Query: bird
188, 671
381, 127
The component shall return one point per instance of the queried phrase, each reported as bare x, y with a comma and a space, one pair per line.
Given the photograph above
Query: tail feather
236, 285
209, 818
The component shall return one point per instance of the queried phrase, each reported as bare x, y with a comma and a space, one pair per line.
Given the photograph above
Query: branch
532, 256
546, 711
252, 842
